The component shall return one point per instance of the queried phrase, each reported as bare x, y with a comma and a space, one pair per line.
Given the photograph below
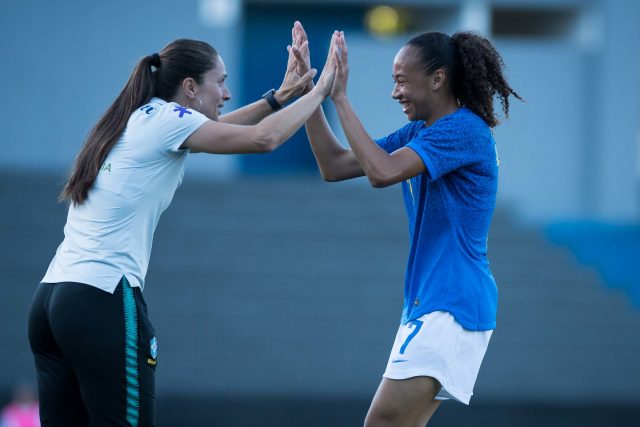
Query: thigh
409, 402
59, 396
107, 350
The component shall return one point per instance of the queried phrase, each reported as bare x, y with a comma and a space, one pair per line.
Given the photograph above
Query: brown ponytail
180, 59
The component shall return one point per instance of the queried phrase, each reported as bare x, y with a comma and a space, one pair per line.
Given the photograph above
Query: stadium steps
293, 287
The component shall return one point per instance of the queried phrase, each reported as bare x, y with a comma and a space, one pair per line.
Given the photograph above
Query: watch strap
271, 99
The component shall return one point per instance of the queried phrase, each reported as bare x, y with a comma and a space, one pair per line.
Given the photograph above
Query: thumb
308, 76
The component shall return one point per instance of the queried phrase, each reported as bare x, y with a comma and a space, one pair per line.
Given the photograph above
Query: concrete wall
571, 151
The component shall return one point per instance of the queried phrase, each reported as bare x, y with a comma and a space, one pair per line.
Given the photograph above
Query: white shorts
437, 346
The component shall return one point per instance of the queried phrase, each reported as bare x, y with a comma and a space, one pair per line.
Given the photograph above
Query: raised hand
300, 48
295, 83
326, 80
339, 87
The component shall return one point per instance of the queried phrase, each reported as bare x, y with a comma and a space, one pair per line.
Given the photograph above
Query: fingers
300, 57
294, 34
307, 77
292, 60
338, 61
300, 30
343, 45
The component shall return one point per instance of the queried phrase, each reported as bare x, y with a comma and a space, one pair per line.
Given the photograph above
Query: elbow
378, 180
377, 183
329, 177
266, 143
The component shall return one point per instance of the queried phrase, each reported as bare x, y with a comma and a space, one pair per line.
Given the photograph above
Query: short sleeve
450, 144
399, 138
177, 123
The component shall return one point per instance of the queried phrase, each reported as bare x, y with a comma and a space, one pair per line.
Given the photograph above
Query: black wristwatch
273, 102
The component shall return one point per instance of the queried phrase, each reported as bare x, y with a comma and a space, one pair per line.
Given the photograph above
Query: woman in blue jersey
446, 160
94, 348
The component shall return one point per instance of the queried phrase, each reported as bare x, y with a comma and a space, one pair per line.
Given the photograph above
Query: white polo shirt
110, 234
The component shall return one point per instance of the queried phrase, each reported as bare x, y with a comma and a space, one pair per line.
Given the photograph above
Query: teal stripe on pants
131, 353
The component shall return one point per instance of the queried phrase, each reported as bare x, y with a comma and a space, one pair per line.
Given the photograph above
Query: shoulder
151, 109
411, 129
166, 116
160, 109
463, 124
461, 119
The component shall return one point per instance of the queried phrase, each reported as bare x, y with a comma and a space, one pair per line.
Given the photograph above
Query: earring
196, 109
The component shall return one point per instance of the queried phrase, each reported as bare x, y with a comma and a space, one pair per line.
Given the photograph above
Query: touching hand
295, 81
339, 88
326, 80
300, 48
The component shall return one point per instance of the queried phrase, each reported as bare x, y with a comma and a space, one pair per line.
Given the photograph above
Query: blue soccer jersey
449, 209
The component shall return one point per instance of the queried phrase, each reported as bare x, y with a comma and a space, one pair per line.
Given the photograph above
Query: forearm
374, 161
280, 126
249, 114
254, 112
335, 162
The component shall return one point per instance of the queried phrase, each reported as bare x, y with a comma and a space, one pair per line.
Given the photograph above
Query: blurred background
277, 296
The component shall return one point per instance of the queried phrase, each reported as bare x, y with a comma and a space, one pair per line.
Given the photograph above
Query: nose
395, 93
226, 95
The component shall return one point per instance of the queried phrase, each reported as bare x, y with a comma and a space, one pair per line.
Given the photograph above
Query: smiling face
213, 91
414, 89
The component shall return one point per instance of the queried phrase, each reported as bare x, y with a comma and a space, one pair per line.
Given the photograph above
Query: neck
180, 99
444, 109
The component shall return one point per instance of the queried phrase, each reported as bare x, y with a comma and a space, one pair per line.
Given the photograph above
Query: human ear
439, 78
190, 87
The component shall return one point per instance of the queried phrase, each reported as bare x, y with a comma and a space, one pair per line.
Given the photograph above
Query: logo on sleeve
147, 108
181, 110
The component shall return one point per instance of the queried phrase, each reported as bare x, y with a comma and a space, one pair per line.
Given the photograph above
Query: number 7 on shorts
417, 324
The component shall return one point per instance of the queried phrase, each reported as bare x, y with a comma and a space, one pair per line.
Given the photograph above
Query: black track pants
95, 356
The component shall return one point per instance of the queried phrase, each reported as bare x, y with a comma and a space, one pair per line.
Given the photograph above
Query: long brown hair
159, 74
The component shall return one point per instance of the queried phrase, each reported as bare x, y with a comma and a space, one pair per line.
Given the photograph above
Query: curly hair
475, 70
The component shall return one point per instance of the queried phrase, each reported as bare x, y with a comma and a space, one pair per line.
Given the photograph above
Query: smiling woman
89, 311
447, 163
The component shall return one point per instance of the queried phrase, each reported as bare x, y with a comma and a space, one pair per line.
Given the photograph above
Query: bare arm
222, 138
270, 133
248, 115
381, 168
335, 162
292, 86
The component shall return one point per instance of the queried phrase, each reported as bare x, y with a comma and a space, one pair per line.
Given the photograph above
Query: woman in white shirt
94, 347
